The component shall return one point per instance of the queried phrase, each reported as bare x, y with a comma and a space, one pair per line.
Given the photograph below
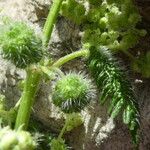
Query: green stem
27, 99
51, 19
33, 77
71, 56
63, 130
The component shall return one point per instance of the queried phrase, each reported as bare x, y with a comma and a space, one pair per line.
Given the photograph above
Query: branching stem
27, 99
71, 56
51, 19
34, 76
63, 130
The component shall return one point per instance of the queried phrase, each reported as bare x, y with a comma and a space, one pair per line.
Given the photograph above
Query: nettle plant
108, 27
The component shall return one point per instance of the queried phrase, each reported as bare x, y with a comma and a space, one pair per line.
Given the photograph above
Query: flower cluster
110, 23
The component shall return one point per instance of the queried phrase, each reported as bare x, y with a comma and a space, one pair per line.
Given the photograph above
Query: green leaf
111, 79
112, 105
127, 114
117, 109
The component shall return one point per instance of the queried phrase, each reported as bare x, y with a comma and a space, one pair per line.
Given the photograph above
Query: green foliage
95, 2
112, 24
115, 85
16, 140
107, 23
72, 92
58, 144
72, 121
76, 10
142, 65
20, 44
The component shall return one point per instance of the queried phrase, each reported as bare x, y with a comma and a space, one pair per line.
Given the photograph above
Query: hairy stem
33, 76
71, 56
27, 99
51, 19
63, 130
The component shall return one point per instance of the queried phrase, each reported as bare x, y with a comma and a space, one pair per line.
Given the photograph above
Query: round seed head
72, 92
20, 44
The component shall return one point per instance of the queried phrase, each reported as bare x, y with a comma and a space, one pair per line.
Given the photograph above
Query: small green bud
72, 92
73, 120
92, 37
58, 144
93, 15
20, 44
73, 11
103, 22
104, 37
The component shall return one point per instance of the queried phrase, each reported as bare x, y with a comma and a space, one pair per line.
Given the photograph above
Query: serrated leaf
128, 114
105, 95
114, 83
117, 109
133, 125
112, 104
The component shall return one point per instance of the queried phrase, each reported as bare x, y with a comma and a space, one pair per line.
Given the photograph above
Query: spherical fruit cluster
20, 44
16, 140
72, 93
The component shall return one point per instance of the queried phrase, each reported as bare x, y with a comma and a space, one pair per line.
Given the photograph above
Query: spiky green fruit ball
20, 44
72, 93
